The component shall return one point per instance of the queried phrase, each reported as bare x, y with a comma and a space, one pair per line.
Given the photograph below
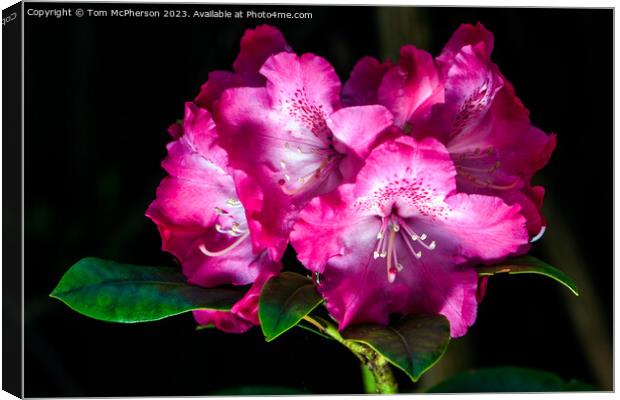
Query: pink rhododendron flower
401, 240
203, 223
256, 46
464, 101
486, 128
292, 141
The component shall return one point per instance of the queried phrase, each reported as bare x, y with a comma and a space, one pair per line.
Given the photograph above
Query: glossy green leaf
114, 292
414, 344
529, 265
508, 379
284, 301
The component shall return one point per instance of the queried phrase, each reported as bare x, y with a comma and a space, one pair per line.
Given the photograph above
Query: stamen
489, 183
386, 246
234, 203
381, 238
226, 250
391, 271
476, 154
219, 211
539, 234
488, 170
416, 238
308, 178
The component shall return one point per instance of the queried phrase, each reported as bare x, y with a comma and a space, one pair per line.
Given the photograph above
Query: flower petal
305, 89
282, 158
344, 255
406, 175
257, 45
410, 88
211, 90
222, 320
357, 130
363, 84
466, 34
244, 314
192, 201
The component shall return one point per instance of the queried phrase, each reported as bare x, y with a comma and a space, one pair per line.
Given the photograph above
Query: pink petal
440, 288
410, 88
344, 255
465, 35
257, 45
175, 130
404, 166
470, 88
244, 314
304, 88
480, 227
222, 320
279, 158
357, 130
363, 84
187, 203
212, 89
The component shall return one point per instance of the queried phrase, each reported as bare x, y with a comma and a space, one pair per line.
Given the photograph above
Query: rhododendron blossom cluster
392, 186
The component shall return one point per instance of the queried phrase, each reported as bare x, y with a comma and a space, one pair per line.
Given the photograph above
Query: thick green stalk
372, 361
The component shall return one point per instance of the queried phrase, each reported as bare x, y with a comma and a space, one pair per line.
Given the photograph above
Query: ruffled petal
471, 86
244, 314
410, 88
197, 204
363, 84
476, 227
305, 89
466, 34
285, 153
344, 256
357, 130
257, 45
405, 175
211, 90
440, 288
222, 320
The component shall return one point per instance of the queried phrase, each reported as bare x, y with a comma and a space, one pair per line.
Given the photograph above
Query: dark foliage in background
99, 95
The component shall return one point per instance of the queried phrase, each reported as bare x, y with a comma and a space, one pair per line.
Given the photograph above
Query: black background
99, 95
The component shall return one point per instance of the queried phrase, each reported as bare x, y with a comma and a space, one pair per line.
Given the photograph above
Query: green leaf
414, 344
508, 379
114, 292
529, 265
284, 301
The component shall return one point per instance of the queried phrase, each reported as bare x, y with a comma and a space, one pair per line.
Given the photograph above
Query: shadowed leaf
414, 344
508, 379
284, 301
529, 265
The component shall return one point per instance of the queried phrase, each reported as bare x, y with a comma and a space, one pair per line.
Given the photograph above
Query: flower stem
376, 370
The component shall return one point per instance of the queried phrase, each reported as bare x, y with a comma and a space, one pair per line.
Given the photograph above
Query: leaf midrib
287, 302
123, 283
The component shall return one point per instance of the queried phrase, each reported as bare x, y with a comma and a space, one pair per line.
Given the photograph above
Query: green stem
370, 386
374, 363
